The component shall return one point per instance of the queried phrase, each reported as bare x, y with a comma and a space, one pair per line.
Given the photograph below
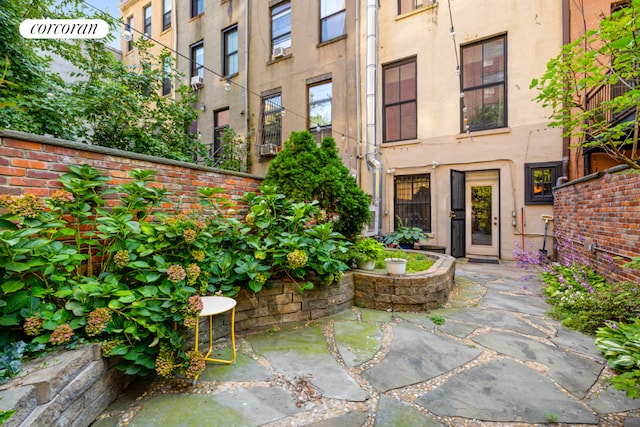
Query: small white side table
212, 305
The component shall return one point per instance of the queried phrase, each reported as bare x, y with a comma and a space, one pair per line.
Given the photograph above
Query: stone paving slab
242, 407
451, 327
400, 414
531, 304
575, 373
303, 353
504, 391
244, 370
416, 356
489, 317
357, 342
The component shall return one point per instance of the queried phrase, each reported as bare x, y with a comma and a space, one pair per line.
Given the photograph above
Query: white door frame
491, 179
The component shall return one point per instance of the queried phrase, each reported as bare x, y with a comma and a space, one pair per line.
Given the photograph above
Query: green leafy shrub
366, 249
620, 345
305, 172
582, 299
131, 276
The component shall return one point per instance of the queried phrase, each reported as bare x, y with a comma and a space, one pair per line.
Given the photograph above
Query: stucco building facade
464, 151
428, 101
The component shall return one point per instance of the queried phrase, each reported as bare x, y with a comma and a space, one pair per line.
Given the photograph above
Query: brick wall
601, 209
33, 164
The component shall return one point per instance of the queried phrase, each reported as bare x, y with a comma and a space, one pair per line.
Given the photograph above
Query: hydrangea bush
132, 275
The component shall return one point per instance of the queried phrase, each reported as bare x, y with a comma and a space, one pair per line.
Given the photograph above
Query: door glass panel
481, 215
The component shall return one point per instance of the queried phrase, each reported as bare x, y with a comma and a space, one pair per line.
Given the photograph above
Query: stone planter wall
66, 388
411, 292
285, 304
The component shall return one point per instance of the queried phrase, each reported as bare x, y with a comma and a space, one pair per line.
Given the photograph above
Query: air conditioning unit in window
197, 82
278, 52
268, 150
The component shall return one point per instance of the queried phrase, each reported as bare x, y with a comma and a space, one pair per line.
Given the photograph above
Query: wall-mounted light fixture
227, 84
391, 171
127, 35
434, 164
203, 107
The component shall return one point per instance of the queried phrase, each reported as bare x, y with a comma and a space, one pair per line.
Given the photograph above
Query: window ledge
484, 132
416, 11
194, 18
400, 143
333, 40
282, 58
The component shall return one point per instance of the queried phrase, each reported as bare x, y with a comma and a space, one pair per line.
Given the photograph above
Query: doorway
475, 210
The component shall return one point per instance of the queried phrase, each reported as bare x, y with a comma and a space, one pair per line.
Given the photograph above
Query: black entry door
457, 214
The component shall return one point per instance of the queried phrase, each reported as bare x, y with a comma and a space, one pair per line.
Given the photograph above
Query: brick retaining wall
602, 208
33, 164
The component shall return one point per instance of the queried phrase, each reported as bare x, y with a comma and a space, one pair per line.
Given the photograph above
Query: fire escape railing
597, 101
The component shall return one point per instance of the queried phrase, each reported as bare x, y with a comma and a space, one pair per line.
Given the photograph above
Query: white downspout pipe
371, 82
358, 84
246, 78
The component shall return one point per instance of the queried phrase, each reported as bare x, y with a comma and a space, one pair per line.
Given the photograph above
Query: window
484, 85
129, 28
400, 103
230, 54
281, 26
147, 21
320, 105
197, 59
271, 120
166, 15
412, 201
197, 8
539, 180
220, 125
332, 19
166, 75
619, 5
405, 6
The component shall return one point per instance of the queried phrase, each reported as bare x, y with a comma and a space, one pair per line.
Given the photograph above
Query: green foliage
231, 153
305, 172
437, 320
416, 261
583, 300
366, 249
11, 357
620, 345
108, 104
606, 56
404, 236
131, 276
5, 415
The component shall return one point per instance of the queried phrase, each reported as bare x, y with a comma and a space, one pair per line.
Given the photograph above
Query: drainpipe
566, 140
371, 53
174, 24
358, 118
246, 78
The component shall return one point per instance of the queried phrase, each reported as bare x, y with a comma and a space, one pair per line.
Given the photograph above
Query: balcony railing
597, 101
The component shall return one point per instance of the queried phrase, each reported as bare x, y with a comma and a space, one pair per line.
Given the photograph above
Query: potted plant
396, 266
365, 251
404, 237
